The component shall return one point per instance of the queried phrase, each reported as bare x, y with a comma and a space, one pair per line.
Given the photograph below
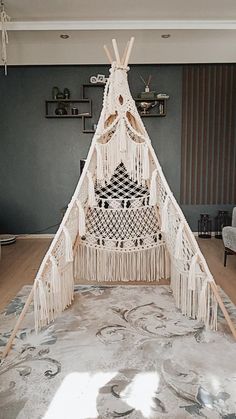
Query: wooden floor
213, 250
20, 262
18, 266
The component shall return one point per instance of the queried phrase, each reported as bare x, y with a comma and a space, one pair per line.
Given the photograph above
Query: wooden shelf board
69, 100
139, 99
68, 116
152, 115
94, 84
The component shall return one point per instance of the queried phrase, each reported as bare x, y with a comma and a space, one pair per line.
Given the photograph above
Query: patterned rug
118, 352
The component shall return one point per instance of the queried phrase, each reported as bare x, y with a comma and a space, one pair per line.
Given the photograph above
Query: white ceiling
121, 9
201, 31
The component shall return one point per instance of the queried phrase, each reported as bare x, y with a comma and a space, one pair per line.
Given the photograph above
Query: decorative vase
55, 92
74, 111
66, 93
61, 110
60, 95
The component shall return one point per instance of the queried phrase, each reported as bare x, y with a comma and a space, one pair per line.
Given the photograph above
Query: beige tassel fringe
198, 303
91, 191
53, 295
92, 264
153, 188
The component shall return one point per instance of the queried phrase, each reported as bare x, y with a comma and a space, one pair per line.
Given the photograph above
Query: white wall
86, 47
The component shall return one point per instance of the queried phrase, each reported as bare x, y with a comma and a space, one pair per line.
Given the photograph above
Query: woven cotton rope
123, 223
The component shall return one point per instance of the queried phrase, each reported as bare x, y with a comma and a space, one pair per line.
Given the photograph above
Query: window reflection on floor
76, 398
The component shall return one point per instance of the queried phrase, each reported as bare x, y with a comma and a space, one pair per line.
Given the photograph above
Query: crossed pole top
121, 62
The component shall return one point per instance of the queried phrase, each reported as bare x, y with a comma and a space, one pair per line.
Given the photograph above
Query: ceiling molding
120, 25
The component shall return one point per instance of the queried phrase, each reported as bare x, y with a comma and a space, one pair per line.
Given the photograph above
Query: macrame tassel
165, 216
93, 264
202, 305
68, 246
192, 273
153, 188
91, 191
41, 308
100, 172
122, 136
56, 294
82, 225
146, 166
179, 241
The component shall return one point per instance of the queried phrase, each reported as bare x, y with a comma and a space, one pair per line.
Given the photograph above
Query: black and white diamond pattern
121, 187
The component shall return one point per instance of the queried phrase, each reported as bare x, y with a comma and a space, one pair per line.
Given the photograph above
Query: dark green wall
39, 157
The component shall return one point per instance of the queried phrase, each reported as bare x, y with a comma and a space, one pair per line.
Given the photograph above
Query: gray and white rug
118, 352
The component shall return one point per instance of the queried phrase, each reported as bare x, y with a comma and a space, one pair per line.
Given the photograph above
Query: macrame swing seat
123, 222
123, 240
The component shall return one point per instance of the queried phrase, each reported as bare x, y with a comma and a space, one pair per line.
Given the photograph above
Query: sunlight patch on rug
135, 396
76, 397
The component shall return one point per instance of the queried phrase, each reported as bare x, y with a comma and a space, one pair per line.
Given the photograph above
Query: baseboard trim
34, 236
213, 233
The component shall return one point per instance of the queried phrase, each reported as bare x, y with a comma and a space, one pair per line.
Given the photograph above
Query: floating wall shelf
75, 108
157, 110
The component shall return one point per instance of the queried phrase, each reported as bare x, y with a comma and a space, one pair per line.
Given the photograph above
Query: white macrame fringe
53, 295
122, 134
111, 154
94, 264
199, 303
146, 163
82, 223
100, 171
91, 191
68, 246
165, 215
179, 242
41, 310
202, 306
153, 188
192, 273
55, 287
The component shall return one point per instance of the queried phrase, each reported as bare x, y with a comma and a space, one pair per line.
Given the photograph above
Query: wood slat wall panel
208, 154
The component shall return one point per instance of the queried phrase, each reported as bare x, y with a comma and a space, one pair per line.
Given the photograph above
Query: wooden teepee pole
129, 51
108, 54
125, 53
117, 55
18, 323
223, 309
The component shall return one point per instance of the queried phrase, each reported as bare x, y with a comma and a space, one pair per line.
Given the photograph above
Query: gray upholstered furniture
229, 237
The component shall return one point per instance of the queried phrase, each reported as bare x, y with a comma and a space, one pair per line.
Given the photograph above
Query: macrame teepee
123, 223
